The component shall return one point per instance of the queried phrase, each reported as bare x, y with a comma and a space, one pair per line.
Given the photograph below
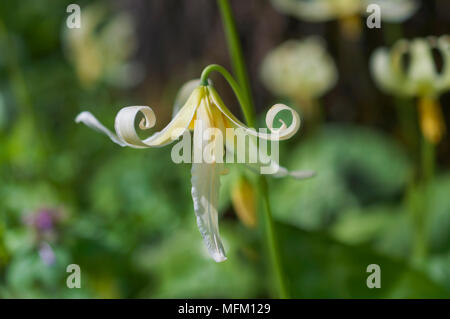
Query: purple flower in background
43, 220
43, 223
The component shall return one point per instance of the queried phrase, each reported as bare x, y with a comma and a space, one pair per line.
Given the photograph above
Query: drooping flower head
420, 78
206, 115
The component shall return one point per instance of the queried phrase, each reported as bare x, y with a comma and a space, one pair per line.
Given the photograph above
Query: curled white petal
125, 121
91, 121
126, 131
126, 117
125, 124
277, 134
284, 132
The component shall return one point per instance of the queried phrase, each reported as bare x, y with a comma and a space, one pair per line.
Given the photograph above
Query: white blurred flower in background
302, 71
102, 48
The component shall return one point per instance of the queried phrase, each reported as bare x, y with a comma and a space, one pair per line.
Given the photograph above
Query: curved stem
247, 106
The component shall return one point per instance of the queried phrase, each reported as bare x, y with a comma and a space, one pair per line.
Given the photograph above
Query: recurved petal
422, 72
91, 121
276, 134
126, 117
382, 71
205, 195
443, 44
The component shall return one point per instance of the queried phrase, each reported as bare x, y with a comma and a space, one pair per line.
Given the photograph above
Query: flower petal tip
91, 121
83, 116
302, 174
219, 258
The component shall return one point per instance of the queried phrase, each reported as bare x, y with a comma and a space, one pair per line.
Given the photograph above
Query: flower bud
244, 202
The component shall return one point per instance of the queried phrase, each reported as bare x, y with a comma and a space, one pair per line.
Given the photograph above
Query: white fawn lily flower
418, 79
203, 110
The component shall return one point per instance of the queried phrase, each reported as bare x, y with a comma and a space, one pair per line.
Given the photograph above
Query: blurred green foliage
126, 217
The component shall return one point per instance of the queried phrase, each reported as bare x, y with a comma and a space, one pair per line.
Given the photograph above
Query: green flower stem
246, 107
428, 159
235, 50
272, 241
249, 111
420, 248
